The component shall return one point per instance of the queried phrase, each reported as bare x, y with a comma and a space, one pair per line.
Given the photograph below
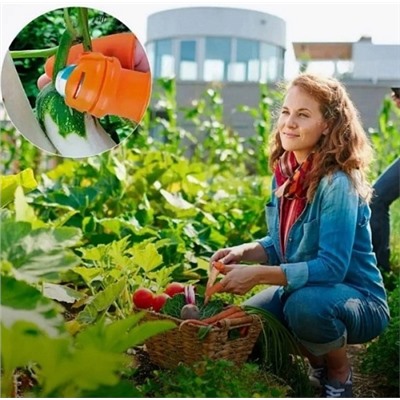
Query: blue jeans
387, 190
324, 318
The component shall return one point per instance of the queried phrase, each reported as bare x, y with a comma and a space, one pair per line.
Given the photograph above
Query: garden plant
80, 237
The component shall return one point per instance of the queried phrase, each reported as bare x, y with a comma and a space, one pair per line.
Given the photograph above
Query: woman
318, 259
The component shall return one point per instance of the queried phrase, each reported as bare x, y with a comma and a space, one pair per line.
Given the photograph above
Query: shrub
213, 379
382, 356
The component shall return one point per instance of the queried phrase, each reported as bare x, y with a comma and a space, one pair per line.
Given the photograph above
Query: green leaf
39, 253
108, 337
23, 212
61, 368
176, 200
144, 331
9, 183
101, 302
85, 369
88, 274
66, 169
61, 293
21, 302
148, 257
21, 344
123, 334
11, 233
94, 253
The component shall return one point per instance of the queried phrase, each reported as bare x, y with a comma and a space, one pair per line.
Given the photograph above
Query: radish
190, 311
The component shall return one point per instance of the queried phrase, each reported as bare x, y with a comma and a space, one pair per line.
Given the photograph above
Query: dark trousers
387, 189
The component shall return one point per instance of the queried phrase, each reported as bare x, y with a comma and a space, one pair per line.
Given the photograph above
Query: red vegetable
174, 288
143, 298
159, 301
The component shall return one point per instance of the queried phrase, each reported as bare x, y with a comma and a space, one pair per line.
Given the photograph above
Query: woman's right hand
230, 255
249, 252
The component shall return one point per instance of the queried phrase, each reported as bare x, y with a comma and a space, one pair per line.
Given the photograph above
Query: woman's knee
306, 313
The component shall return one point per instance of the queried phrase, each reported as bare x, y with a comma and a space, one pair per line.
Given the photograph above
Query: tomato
159, 301
174, 288
143, 298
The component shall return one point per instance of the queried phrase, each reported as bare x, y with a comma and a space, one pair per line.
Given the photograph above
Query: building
240, 48
235, 48
368, 70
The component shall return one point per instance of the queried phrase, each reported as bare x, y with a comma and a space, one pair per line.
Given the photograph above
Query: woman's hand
239, 279
250, 252
228, 255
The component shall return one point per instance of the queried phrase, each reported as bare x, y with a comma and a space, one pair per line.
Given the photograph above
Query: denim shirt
329, 243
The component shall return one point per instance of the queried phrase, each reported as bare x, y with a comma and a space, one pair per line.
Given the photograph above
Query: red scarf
290, 178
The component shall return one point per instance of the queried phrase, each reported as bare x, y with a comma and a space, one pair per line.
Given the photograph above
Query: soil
367, 385
364, 386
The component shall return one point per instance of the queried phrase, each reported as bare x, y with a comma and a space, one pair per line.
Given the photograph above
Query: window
164, 60
187, 60
271, 63
247, 63
217, 58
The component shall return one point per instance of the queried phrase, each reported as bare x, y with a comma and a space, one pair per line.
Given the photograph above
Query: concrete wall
216, 21
376, 62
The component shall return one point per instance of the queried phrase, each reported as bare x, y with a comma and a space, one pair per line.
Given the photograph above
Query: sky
320, 21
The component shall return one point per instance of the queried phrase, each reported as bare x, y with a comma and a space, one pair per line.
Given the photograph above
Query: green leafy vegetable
174, 305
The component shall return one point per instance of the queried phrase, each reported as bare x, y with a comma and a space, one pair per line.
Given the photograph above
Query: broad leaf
61, 293
101, 302
21, 302
121, 335
9, 183
23, 211
38, 253
148, 257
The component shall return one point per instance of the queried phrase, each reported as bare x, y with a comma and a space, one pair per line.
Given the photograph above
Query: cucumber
72, 133
51, 107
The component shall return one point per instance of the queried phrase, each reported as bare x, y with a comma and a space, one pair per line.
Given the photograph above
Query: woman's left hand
239, 279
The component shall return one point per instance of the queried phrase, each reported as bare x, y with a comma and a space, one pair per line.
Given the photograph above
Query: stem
37, 53
84, 27
61, 57
68, 23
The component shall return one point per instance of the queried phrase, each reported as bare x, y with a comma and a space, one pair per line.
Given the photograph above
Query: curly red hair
346, 147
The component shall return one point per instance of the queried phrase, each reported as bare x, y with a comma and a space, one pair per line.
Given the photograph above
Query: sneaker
317, 376
335, 388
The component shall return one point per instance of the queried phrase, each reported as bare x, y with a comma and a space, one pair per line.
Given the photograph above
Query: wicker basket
232, 339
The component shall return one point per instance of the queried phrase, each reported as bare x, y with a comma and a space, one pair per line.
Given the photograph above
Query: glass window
271, 63
164, 60
187, 62
217, 58
247, 63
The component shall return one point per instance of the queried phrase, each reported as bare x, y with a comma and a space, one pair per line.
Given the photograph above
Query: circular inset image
76, 82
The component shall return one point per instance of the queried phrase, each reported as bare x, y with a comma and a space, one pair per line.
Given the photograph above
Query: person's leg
338, 365
386, 191
315, 361
269, 300
325, 319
